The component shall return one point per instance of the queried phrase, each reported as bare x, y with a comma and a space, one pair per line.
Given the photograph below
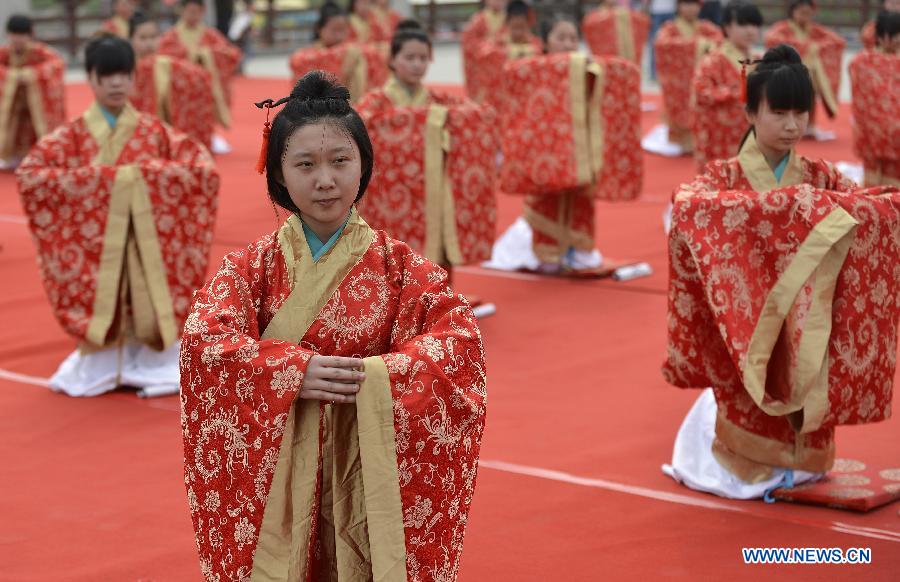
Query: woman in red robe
359, 67
570, 134
679, 46
177, 91
122, 209
434, 184
822, 50
764, 249
333, 385
487, 26
614, 30
874, 77
718, 105
32, 91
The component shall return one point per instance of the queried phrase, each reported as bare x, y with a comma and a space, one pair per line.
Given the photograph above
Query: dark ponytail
317, 97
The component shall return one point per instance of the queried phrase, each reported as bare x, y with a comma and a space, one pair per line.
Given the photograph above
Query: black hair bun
319, 86
409, 24
783, 54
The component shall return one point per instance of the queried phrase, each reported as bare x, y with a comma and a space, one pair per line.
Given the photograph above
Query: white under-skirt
694, 464
132, 364
514, 251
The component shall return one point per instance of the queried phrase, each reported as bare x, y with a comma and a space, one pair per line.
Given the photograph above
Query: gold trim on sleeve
580, 130
625, 34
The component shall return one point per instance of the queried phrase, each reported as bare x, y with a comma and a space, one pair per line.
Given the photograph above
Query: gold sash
359, 514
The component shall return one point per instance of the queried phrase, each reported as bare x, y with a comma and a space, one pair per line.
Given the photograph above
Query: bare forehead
316, 138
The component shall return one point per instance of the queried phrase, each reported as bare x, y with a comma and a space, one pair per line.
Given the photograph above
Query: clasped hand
333, 379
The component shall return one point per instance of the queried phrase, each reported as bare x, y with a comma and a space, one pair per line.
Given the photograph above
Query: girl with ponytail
299, 365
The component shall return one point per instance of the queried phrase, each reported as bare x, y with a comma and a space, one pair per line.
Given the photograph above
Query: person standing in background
661, 11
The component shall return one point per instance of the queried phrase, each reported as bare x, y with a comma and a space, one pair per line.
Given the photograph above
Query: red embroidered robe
821, 50
875, 80
284, 488
617, 32
782, 297
680, 46
372, 29
32, 97
867, 36
718, 116
210, 49
360, 67
484, 29
177, 91
433, 183
123, 220
570, 134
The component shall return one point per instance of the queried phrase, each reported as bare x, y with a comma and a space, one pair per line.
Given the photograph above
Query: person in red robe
385, 17
485, 27
32, 91
773, 258
333, 384
367, 24
614, 30
822, 50
177, 91
570, 134
359, 67
874, 78
680, 45
121, 208
718, 106
433, 187
192, 40
867, 34
123, 10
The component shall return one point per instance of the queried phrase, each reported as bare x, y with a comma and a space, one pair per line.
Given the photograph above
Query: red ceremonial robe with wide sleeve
123, 220
435, 173
485, 26
717, 115
783, 298
570, 134
289, 489
616, 32
210, 49
875, 80
32, 97
177, 91
867, 35
360, 67
821, 50
680, 46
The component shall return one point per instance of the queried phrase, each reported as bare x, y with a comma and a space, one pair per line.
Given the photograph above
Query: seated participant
680, 45
323, 355
518, 42
433, 186
176, 90
385, 18
192, 40
874, 78
359, 67
365, 24
614, 30
867, 34
32, 91
579, 141
760, 268
123, 10
718, 104
121, 208
822, 50
487, 26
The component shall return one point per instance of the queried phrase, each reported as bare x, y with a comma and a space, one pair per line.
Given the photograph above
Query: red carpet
579, 422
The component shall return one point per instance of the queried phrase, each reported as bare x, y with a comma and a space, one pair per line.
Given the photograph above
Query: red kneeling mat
851, 485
